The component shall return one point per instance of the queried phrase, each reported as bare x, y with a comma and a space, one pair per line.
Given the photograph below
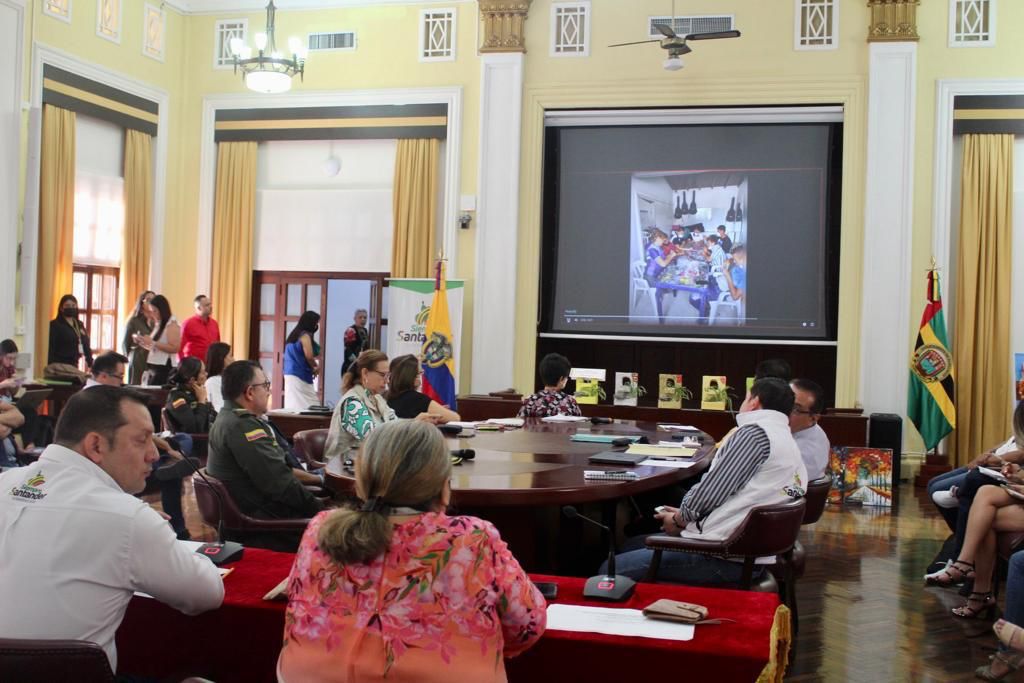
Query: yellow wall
760, 68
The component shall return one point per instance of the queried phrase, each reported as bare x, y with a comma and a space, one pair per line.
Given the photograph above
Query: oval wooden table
519, 479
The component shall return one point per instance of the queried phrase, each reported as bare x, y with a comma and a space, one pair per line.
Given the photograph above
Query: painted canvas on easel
861, 476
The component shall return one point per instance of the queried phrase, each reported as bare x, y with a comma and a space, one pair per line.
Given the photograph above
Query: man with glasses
245, 456
803, 422
107, 369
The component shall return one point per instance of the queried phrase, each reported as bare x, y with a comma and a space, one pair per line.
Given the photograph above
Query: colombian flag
930, 404
438, 364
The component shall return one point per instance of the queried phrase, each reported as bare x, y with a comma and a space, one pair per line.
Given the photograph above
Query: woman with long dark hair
218, 357
162, 344
68, 339
188, 405
300, 363
404, 395
140, 324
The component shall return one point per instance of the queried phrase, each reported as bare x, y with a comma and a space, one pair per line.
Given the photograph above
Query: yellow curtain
138, 220
414, 202
982, 316
234, 219
56, 222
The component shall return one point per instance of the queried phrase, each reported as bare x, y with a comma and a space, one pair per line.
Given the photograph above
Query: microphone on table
221, 552
609, 586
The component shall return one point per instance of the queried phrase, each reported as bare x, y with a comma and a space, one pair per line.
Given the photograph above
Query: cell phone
661, 508
547, 589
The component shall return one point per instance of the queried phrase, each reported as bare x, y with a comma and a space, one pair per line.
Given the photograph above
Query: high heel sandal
1010, 635
977, 604
953, 574
1011, 662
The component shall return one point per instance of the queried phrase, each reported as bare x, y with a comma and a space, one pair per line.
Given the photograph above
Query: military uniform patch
177, 403
256, 434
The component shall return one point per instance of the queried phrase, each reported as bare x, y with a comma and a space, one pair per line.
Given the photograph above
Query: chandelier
269, 71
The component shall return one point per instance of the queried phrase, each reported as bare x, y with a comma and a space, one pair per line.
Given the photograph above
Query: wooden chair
767, 530
53, 660
219, 510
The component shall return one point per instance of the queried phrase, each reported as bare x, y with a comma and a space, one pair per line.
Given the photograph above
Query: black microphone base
610, 588
221, 553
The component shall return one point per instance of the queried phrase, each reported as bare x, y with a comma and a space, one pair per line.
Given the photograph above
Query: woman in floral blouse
397, 590
554, 372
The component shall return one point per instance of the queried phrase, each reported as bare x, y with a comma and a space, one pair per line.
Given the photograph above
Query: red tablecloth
241, 640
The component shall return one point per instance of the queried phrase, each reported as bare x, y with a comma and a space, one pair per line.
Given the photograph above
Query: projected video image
688, 255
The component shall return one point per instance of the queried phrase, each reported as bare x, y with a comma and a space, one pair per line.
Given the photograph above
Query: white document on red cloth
615, 622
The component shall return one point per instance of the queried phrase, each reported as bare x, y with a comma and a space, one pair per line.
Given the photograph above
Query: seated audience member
245, 455
773, 367
551, 400
170, 467
68, 338
993, 510
107, 369
759, 465
803, 422
954, 492
218, 357
362, 406
735, 273
1010, 656
75, 541
10, 420
301, 363
188, 405
723, 239
404, 394
8, 357
350, 610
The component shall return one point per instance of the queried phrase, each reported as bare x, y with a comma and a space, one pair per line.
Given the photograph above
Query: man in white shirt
75, 543
803, 421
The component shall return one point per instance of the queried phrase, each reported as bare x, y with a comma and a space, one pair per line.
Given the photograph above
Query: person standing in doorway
357, 339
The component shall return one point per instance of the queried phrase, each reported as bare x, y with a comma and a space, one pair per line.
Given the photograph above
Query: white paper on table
670, 444
564, 418
615, 622
464, 425
507, 421
676, 463
677, 428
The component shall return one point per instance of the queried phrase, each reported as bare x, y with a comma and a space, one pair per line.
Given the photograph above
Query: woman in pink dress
397, 590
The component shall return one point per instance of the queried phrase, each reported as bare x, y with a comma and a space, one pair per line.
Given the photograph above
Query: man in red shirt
199, 331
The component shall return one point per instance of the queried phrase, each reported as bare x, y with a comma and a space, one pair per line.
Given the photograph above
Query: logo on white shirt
30, 489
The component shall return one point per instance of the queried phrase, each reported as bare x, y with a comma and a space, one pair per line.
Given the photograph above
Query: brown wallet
683, 612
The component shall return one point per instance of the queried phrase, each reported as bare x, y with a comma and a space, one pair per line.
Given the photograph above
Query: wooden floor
864, 612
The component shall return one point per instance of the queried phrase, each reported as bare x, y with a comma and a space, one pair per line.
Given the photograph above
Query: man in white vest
759, 464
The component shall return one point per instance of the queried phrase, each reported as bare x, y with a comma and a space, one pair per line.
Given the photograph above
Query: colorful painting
861, 476
1018, 372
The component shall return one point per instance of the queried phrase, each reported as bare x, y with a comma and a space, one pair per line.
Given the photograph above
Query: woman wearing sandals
1009, 658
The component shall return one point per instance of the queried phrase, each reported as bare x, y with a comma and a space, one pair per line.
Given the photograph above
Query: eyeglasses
385, 375
265, 385
802, 411
117, 378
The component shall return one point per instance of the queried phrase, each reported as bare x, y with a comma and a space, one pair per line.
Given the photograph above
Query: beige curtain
981, 344
234, 219
56, 222
138, 220
414, 203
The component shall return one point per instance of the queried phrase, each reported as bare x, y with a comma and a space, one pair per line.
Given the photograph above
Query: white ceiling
221, 6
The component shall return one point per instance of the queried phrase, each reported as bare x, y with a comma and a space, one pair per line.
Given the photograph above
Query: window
95, 287
817, 23
108, 20
972, 23
96, 254
437, 35
570, 29
59, 9
225, 30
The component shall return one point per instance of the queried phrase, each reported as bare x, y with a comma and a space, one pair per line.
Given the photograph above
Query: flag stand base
933, 465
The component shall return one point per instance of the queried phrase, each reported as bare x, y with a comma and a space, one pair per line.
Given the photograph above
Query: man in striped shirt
759, 464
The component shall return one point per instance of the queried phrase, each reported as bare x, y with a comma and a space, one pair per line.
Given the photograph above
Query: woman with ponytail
394, 589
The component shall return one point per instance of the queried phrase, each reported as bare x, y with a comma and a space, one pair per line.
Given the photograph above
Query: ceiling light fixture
269, 71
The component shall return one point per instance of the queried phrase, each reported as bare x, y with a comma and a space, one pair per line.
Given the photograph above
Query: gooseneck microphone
608, 586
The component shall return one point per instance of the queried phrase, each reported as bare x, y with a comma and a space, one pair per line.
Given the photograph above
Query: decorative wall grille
224, 30
60, 9
686, 25
972, 23
816, 25
437, 35
570, 29
154, 25
108, 20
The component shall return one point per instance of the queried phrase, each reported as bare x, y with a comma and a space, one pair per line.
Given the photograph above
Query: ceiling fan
676, 44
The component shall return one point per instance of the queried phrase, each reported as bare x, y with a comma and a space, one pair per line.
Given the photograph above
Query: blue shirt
739, 278
295, 362
653, 267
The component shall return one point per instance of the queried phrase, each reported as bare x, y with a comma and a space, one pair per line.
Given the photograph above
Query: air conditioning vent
686, 25
345, 40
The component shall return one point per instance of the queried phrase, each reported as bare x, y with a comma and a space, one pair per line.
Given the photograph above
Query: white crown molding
220, 6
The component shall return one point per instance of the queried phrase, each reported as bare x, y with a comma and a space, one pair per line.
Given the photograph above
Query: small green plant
719, 394
682, 393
